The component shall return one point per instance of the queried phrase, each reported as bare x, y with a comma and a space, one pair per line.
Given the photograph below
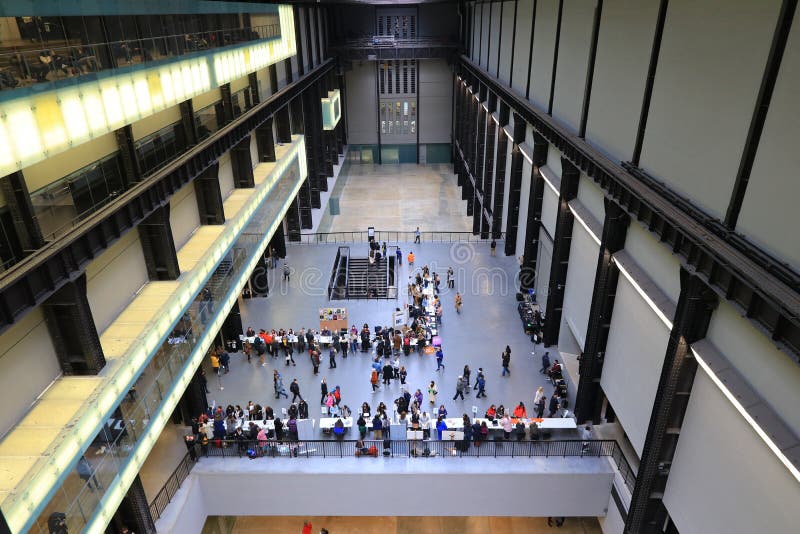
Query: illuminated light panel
116, 100
6, 153
331, 110
747, 417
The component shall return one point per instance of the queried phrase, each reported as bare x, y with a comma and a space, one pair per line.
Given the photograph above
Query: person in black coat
278, 429
388, 371
553, 405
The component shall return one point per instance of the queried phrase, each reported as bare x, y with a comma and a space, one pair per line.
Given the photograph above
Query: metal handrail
172, 485
392, 236
347, 274
334, 272
340, 448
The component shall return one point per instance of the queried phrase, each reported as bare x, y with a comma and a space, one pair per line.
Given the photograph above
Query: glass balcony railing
21, 68
143, 409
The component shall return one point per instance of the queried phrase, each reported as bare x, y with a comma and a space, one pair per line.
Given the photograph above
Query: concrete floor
413, 525
488, 323
398, 197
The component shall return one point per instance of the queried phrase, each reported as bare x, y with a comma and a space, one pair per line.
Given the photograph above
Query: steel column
23, 215
570, 176
158, 245
500, 172
696, 304
71, 325
241, 165
530, 255
589, 400
514, 187
209, 196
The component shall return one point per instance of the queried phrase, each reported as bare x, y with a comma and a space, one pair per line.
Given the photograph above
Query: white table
546, 423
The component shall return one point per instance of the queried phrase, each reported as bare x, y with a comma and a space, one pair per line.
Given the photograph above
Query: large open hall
399, 266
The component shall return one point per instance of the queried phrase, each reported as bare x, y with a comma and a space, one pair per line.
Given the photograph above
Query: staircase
367, 281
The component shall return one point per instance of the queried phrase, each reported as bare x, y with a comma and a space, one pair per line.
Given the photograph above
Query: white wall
723, 477
769, 219
507, 31
524, 196
543, 263
768, 370
183, 214
225, 175
435, 101
549, 207
612, 523
637, 343
656, 259
592, 198
114, 277
573, 60
522, 46
544, 41
361, 104
554, 160
620, 72
234, 487
581, 270
713, 55
28, 364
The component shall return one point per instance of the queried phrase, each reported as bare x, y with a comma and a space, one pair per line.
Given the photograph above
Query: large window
398, 77
206, 121
72, 198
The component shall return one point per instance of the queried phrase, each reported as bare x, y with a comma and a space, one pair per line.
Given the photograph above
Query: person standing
287, 271
332, 357
315, 359
403, 375
539, 395
399, 254
540, 406
410, 259
493, 246
432, 391
294, 387
458, 302
417, 235
439, 358
467, 373
459, 388
323, 390
450, 280
586, 435
506, 361
215, 363
553, 405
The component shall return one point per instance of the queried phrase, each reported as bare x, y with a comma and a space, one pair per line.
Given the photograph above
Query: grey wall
361, 104
544, 41
522, 44
724, 478
183, 214
712, 66
435, 96
437, 20
507, 32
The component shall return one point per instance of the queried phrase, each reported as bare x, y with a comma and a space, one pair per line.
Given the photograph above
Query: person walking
481, 386
450, 280
373, 380
459, 388
399, 254
410, 259
294, 387
493, 246
323, 390
506, 357
332, 357
586, 435
432, 391
467, 373
458, 302
417, 235
479, 375
277, 383
539, 395
287, 271
545, 363
388, 372
215, 363
403, 375
439, 358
